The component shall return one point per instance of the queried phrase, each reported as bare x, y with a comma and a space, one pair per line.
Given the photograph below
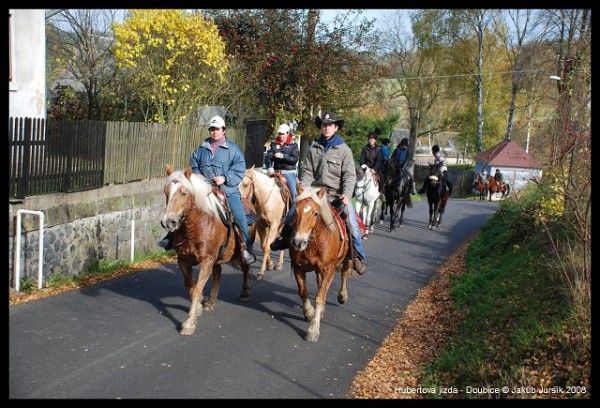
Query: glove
270, 171
278, 155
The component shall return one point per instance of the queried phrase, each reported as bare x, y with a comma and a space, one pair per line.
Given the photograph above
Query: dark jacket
371, 156
291, 154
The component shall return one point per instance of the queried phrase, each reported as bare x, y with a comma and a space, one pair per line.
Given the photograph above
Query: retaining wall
84, 227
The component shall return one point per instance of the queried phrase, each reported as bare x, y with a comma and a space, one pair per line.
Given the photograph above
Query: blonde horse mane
201, 189
324, 209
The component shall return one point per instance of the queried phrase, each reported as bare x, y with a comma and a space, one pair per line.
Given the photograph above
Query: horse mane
263, 179
201, 189
324, 209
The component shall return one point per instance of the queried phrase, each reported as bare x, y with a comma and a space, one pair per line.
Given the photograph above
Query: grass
519, 326
97, 272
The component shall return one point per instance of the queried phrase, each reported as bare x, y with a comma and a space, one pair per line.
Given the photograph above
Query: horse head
311, 207
246, 186
184, 192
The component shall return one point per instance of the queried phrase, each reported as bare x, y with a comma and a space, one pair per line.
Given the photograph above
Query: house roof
508, 153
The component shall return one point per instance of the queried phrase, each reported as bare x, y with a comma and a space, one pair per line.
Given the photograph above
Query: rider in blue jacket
222, 162
400, 155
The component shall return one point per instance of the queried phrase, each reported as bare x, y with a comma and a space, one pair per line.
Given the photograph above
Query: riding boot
166, 242
283, 240
247, 254
358, 264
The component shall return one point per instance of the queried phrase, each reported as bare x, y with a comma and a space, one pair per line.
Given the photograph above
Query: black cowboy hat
328, 117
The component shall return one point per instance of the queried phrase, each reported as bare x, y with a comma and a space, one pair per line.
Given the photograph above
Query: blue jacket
400, 155
227, 161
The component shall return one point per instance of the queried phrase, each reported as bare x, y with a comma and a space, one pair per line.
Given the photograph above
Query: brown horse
495, 187
195, 215
319, 243
270, 207
481, 187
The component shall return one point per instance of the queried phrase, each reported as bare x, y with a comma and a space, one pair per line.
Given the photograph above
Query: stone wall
85, 227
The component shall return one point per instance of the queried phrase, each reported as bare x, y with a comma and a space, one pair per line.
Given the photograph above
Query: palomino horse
319, 243
481, 187
367, 195
195, 215
495, 187
437, 198
397, 194
270, 209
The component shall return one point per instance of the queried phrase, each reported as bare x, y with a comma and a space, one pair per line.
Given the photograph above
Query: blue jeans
356, 240
235, 204
291, 182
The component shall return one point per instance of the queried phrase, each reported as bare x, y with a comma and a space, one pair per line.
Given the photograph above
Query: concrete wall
27, 89
84, 227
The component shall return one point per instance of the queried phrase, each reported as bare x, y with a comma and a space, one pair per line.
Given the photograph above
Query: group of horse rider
222, 162
498, 178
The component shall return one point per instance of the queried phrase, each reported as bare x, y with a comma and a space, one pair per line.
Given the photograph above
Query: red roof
510, 154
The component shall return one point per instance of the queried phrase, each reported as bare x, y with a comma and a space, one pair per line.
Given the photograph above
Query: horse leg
209, 304
401, 220
431, 215
392, 208
189, 326
280, 263
344, 272
245, 295
307, 308
265, 241
315, 323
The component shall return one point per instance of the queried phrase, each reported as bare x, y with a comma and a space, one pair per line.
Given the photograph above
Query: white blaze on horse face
304, 236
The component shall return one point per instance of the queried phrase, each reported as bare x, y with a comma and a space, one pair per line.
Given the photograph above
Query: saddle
227, 218
286, 195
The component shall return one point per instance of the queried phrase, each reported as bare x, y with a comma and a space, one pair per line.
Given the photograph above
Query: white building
27, 63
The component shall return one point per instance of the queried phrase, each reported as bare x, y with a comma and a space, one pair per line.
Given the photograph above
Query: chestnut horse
481, 187
270, 208
319, 243
495, 187
195, 215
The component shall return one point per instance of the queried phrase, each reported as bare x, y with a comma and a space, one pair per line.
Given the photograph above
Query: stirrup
249, 257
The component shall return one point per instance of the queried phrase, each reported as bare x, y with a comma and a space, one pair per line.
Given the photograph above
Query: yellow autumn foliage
174, 58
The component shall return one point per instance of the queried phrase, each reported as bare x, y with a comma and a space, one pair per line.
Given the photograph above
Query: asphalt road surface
119, 339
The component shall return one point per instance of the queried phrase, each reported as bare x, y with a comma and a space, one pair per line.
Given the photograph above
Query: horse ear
251, 168
321, 192
188, 172
299, 189
169, 169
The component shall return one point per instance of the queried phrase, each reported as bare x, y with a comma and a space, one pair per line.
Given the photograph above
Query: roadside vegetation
511, 309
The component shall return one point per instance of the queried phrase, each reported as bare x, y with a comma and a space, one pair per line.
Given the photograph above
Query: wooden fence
49, 156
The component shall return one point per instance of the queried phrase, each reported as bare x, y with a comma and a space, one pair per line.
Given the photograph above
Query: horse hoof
187, 331
209, 307
311, 337
260, 276
342, 299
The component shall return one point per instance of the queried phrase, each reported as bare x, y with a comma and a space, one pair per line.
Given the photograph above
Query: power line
466, 75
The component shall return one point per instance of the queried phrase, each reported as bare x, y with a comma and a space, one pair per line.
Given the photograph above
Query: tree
174, 59
79, 43
414, 63
290, 70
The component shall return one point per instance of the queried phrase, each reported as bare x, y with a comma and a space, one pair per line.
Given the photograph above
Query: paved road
119, 339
